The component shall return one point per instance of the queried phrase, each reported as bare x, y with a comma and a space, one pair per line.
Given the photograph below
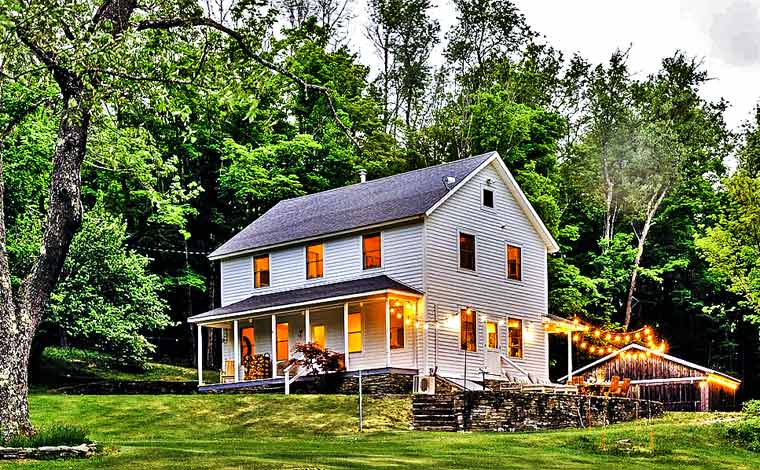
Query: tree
732, 247
94, 56
106, 299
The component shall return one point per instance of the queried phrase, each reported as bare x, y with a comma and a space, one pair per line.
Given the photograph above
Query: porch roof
304, 297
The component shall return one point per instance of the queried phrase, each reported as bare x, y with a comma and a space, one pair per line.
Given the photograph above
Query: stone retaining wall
124, 387
46, 453
524, 411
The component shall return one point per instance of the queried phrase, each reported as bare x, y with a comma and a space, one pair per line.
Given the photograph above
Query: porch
371, 322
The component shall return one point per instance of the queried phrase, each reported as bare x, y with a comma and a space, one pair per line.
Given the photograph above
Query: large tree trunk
652, 207
21, 314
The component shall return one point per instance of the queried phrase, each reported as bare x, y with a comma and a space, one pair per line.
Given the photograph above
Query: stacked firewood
258, 366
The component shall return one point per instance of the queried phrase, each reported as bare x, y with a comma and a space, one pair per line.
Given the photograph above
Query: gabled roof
405, 196
668, 357
304, 297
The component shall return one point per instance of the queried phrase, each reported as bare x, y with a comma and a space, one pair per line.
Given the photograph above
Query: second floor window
371, 251
261, 271
467, 329
397, 327
514, 263
467, 251
315, 261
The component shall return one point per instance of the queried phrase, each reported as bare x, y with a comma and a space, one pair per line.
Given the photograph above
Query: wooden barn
680, 385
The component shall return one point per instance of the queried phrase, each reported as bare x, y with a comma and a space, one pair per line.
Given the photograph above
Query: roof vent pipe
362, 175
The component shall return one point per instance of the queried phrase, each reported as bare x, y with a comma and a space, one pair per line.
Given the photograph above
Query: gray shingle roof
306, 295
359, 205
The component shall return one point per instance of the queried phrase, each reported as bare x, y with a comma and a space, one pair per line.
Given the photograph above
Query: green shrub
55, 435
746, 431
751, 409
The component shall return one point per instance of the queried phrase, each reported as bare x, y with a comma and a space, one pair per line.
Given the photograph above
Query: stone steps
434, 413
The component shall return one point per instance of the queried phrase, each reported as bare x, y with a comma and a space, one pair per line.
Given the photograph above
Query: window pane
488, 198
371, 251
514, 338
314, 261
467, 251
247, 344
397, 326
514, 262
318, 336
467, 329
282, 341
261, 271
354, 332
493, 335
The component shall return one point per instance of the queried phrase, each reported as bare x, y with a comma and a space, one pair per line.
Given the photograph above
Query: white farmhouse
439, 271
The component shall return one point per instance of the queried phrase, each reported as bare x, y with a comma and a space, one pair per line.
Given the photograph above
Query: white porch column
236, 349
274, 345
569, 356
200, 354
388, 331
345, 334
307, 326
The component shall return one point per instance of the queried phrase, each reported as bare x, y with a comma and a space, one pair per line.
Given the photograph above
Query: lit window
397, 326
355, 332
467, 329
247, 342
315, 261
261, 271
514, 338
318, 336
514, 262
492, 335
488, 198
282, 342
467, 251
371, 251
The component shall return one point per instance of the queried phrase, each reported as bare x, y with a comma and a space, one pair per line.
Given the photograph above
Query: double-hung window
514, 262
261, 271
397, 326
371, 251
467, 334
467, 251
355, 332
315, 261
514, 338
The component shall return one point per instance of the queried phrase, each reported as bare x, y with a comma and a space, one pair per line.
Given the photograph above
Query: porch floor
277, 382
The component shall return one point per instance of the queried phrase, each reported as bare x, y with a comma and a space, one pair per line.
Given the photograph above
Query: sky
725, 34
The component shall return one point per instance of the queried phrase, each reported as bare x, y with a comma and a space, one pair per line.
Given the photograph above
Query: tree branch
169, 23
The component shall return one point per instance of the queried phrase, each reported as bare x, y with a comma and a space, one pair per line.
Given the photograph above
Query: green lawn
61, 366
319, 432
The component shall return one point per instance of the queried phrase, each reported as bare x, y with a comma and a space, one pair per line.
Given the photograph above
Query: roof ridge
386, 177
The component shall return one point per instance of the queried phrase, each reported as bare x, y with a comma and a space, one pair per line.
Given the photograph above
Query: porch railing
288, 380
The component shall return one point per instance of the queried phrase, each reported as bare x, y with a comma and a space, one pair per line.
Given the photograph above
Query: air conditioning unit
424, 385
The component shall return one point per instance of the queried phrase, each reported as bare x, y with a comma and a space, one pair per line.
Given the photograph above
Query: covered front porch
372, 323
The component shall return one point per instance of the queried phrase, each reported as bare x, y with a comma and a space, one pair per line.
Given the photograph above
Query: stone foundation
524, 411
47, 453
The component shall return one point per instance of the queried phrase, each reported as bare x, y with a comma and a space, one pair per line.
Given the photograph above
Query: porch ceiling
304, 297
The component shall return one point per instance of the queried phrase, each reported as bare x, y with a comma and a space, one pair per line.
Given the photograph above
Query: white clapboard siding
487, 290
401, 252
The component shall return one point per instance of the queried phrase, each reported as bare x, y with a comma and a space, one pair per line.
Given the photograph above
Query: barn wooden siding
693, 393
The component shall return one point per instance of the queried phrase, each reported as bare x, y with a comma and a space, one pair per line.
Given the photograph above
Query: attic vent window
488, 198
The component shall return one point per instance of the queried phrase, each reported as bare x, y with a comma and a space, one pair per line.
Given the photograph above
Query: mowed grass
319, 432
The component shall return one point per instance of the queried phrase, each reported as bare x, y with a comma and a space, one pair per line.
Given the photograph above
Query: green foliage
732, 246
745, 432
107, 299
53, 435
